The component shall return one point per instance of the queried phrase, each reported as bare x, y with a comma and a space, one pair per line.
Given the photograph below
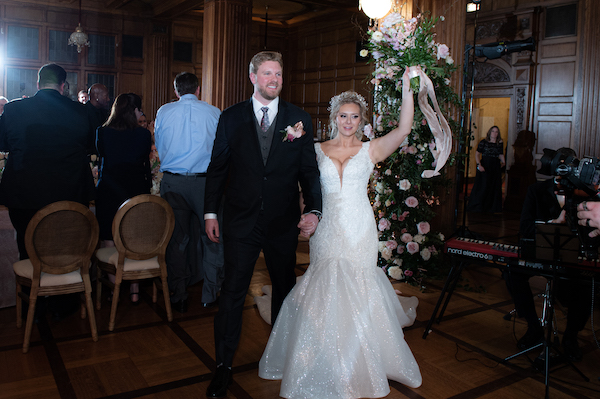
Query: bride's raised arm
383, 147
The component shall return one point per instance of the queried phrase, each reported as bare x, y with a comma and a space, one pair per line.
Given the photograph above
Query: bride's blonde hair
347, 97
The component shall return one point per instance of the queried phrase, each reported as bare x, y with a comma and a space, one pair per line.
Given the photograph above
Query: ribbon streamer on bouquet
436, 121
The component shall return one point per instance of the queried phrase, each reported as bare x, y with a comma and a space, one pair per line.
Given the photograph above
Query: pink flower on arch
406, 238
411, 202
423, 227
412, 247
442, 51
384, 224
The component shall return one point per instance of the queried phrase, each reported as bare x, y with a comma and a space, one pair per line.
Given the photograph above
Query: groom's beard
264, 94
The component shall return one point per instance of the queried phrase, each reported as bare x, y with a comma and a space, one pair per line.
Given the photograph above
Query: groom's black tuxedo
261, 208
237, 170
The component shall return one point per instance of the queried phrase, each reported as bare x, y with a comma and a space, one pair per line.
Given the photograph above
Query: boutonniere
293, 133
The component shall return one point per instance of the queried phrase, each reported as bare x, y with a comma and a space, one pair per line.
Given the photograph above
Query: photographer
589, 215
544, 204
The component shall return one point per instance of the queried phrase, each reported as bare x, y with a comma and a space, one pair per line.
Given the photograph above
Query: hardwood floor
147, 357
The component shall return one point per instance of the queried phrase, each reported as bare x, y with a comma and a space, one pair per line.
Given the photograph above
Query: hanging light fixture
375, 9
79, 38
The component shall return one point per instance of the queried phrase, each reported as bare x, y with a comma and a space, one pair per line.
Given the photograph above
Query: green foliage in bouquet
403, 201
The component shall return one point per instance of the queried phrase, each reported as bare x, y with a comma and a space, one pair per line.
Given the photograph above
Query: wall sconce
375, 9
473, 6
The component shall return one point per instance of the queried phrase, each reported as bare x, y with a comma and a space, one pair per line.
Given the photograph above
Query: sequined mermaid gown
339, 331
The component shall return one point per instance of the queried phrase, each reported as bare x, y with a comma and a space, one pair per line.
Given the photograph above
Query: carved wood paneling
557, 91
225, 51
587, 141
160, 83
452, 33
557, 79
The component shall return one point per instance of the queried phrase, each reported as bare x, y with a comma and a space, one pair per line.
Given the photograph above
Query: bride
339, 331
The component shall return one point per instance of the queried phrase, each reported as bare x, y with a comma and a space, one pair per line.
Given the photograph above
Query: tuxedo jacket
249, 186
48, 137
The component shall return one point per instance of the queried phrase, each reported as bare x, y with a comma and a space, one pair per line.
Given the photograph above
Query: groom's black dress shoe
220, 382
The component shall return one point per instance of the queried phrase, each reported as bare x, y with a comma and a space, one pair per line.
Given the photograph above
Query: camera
578, 180
575, 174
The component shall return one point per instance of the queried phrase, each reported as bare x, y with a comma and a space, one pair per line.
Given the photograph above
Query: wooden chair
142, 229
60, 240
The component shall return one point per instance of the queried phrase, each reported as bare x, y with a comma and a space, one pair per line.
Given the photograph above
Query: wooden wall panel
452, 33
311, 90
558, 50
557, 80
553, 135
297, 93
25, 13
327, 90
225, 55
329, 63
556, 109
132, 83
344, 85
557, 93
588, 140
328, 56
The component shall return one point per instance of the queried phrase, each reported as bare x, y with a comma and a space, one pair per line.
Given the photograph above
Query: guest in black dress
124, 148
486, 195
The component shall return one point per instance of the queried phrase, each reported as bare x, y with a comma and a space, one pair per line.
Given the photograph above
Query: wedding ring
585, 208
587, 223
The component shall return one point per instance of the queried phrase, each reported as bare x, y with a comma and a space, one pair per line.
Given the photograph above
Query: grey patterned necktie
264, 123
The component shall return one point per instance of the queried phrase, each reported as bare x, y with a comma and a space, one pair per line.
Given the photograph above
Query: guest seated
544, 204
124, 148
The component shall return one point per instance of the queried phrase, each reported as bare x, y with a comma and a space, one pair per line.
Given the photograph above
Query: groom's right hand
212, 229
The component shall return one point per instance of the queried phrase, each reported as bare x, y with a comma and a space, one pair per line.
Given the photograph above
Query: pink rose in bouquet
412, 247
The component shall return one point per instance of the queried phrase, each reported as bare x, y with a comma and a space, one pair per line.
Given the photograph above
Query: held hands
588, 213
308, 224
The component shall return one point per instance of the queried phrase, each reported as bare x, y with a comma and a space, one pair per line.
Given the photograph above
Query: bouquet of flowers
402, 199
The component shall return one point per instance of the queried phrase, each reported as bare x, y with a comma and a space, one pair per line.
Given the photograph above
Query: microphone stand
463, 230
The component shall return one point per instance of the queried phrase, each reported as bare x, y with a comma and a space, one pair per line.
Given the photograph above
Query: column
225, 51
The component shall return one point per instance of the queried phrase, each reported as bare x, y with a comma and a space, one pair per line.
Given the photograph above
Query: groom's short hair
263, 56
186, 83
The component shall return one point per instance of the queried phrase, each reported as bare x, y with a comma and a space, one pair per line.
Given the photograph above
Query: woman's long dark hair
489, 135
122, 115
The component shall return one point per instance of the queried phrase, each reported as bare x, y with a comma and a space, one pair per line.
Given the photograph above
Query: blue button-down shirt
184, 132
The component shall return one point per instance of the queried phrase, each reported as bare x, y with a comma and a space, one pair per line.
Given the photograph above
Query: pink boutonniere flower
293, 133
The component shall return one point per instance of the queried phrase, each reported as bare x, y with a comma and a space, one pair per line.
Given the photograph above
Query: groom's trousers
240, 258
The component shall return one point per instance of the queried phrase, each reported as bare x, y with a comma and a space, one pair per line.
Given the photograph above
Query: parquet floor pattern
147, 357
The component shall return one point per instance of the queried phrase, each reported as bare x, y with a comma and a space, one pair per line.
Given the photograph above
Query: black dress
486, 195
124, 171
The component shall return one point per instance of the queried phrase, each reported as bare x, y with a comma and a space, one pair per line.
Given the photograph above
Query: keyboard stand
449, 286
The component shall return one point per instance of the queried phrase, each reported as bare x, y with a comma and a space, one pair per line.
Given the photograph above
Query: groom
258, 171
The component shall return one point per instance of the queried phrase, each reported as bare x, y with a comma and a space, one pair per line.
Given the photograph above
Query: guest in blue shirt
184, 133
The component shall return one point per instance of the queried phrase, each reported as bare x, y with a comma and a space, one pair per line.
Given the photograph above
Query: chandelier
375, 9
79, 38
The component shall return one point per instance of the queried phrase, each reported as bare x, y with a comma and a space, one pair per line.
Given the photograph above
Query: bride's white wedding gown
339, 332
